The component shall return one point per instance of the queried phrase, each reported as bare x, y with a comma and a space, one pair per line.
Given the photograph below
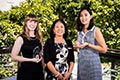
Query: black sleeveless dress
30, 70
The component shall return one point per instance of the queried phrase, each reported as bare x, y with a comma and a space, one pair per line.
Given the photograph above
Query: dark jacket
50, 55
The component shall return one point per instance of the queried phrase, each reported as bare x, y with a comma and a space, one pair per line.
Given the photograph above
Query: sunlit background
6, 4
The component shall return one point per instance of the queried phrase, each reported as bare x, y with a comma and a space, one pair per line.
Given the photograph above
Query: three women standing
58, 50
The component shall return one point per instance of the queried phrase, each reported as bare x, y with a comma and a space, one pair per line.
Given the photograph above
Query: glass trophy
37, 52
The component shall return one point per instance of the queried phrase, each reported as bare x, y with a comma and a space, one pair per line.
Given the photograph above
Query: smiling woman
29, 43
58, 53
6, 4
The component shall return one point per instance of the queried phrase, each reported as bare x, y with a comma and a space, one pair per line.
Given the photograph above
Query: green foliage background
106, 16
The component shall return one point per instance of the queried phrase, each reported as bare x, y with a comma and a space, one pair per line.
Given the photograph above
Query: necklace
59, 40
33, 38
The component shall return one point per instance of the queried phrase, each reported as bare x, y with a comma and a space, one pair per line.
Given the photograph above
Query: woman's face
59, 29
31, 25
85, 17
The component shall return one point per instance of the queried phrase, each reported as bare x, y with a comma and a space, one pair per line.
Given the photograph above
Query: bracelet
57, 74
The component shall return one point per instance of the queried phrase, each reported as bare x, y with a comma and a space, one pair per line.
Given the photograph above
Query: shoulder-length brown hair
37, 31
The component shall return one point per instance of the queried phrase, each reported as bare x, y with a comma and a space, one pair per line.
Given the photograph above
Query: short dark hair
79, 24
52, 35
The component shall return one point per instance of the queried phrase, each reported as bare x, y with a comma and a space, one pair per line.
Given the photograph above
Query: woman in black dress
29, 44
58, 53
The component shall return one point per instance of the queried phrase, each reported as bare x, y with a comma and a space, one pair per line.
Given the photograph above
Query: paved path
10, 78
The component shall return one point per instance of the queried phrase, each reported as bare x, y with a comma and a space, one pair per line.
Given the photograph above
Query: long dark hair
52, 35
79, 24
